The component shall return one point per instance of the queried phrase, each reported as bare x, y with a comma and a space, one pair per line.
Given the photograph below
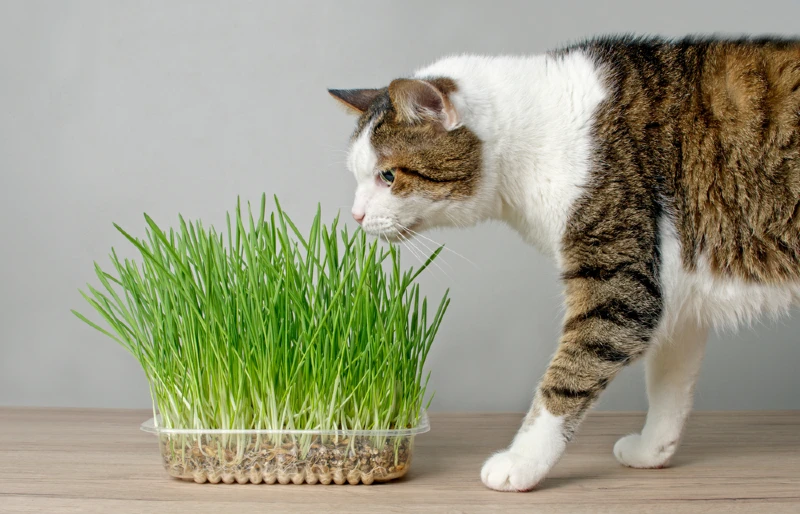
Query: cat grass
262, 327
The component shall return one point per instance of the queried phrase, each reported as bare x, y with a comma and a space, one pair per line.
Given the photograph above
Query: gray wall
112, 108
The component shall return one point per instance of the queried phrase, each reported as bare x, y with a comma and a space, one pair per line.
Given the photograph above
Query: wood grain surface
97, 461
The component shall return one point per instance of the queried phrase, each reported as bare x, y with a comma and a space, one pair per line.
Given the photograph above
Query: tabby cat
662, 176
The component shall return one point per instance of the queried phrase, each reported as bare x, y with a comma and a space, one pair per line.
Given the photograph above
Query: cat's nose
358, 216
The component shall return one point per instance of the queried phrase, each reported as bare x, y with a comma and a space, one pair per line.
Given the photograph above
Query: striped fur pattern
663, 177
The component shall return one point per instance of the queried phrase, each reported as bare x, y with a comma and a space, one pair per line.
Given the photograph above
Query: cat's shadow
694, 455
430, 465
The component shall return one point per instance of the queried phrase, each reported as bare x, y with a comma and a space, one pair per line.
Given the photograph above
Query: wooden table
71, 460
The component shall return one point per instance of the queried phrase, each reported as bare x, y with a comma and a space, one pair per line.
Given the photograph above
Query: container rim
150, 426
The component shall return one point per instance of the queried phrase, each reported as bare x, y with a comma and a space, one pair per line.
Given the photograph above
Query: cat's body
662, 177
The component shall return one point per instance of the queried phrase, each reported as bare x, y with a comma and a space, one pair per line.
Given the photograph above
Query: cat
662, 176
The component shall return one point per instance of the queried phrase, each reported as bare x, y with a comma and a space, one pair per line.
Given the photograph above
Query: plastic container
287, 456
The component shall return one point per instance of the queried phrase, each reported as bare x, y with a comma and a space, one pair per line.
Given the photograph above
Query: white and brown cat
663, 177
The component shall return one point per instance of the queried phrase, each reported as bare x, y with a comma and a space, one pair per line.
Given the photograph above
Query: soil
242, 459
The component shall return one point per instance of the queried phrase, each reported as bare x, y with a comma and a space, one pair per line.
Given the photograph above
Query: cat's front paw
509, 471
636, 452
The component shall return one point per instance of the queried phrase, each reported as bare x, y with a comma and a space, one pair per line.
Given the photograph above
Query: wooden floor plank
71, 460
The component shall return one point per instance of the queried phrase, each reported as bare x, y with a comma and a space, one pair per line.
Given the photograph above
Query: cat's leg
612, 311
672, 368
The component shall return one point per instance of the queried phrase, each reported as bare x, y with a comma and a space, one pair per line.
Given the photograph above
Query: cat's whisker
440, 244
456, 223
411, 243
428, 248
420, 255
411, 250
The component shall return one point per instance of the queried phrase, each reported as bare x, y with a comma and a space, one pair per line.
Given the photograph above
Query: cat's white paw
509, 471
636, 452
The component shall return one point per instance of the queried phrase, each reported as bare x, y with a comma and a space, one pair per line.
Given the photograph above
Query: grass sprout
263, 327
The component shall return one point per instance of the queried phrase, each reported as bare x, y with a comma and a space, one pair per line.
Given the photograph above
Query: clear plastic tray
286, 456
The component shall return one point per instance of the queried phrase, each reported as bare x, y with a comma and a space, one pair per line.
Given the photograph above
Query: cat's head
416, 163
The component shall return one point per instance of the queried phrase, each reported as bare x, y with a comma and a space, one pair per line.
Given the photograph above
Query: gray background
111, 108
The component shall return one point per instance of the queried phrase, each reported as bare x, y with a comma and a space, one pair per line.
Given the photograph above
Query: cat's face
415, 164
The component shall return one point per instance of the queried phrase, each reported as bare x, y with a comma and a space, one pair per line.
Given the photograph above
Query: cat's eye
387, 176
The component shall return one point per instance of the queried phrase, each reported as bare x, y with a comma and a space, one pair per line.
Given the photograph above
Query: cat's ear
356, 100
420, 100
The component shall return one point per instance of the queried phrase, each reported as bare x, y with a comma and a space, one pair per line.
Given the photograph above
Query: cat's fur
662, 176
